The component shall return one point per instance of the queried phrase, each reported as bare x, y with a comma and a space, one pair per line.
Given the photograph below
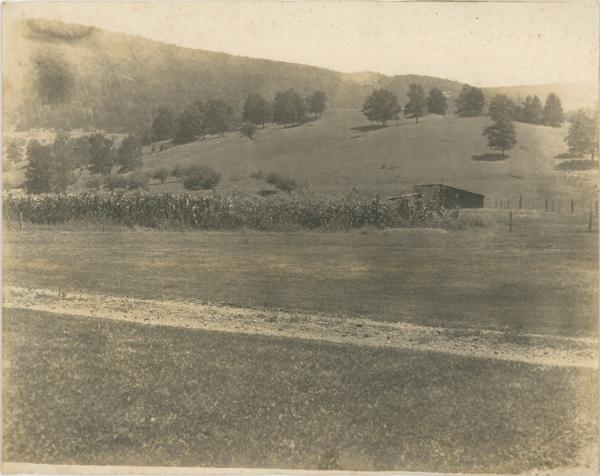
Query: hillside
572, 95
87, 77
67, 77
341, 151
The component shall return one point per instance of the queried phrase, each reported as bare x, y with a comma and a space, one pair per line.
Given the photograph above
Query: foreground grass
540, 278
96, 392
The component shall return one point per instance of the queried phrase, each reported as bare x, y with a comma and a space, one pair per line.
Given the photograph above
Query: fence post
510, 222
572, 206
496, 203
546, 204
520, 201
20, 221
558, 204
590, 222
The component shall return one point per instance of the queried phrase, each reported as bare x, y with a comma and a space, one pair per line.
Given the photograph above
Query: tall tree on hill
583, 133
198, 110
381, 106
129, 153
257, 110
553, 113
50, 166
39, 173
186, 127
501, 134
101, 154
163, 125
317, 102
288, 107
220, 117
501, 106
531, 111
470, 102
416, 105
436, 102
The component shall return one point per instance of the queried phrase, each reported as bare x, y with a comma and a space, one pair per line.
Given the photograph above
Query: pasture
341, 151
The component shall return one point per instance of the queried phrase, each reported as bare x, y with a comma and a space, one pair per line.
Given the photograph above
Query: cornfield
220, 212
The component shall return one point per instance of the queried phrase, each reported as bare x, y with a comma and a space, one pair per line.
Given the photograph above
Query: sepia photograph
287, 237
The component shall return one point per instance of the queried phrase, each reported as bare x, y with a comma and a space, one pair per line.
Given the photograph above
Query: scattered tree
436, 102
583, 133
186, 127
129, 153
50, 167
470, 102
101, 154
198, 111
219, 117
248, 129
553, 113
257, 110
501, 135
317, 102
501, 107
201, 178
163, 125
416, 106
381, 106
288, 107
531, 111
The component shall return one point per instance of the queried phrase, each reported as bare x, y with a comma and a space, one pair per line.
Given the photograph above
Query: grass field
540, 278
93, 391
100, 392
341, 151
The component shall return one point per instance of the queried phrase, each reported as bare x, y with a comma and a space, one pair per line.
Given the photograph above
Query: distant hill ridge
69, 76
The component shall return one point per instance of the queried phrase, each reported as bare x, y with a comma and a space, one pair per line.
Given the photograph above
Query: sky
481, 43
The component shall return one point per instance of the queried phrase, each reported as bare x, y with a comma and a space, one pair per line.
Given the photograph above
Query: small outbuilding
450, 197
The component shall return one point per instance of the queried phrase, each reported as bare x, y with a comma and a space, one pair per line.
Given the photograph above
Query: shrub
94, 183
248, 129
137, 181
113, 182
160, 174
285, 184
178, 171
201, 178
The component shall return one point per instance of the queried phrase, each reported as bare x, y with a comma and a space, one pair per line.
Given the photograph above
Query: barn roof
441, 185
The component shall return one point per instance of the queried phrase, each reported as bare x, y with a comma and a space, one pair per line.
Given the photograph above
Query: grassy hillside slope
341, 151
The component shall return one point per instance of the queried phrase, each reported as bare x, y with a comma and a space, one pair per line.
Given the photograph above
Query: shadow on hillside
489, 157
567, 155
308, 120
372, 127
577, 165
